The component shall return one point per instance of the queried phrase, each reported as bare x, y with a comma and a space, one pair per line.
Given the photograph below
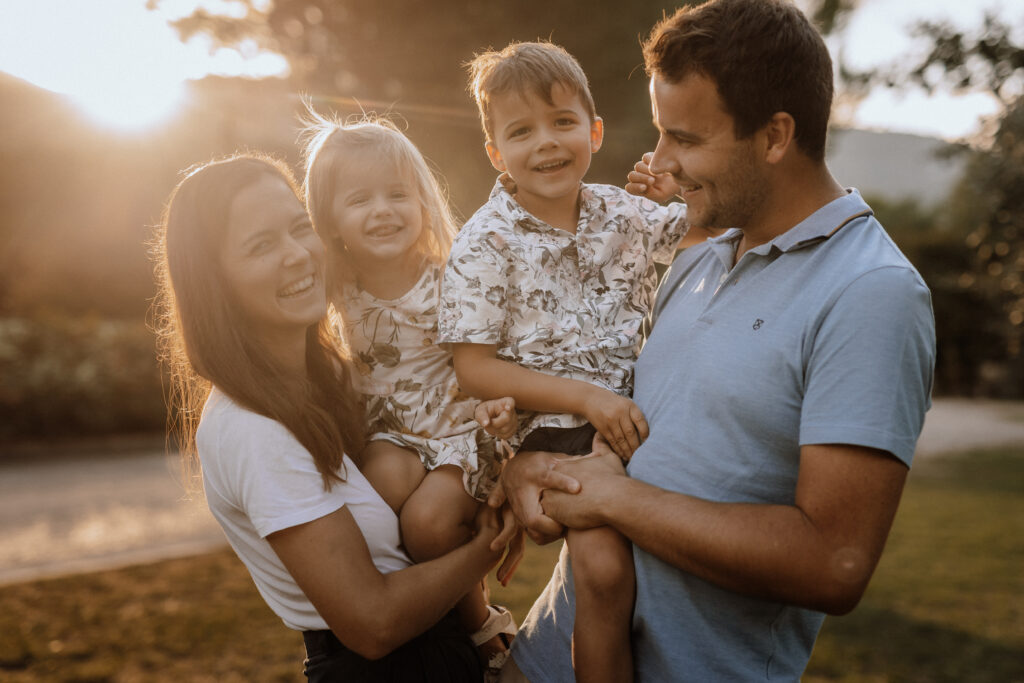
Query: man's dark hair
764, 57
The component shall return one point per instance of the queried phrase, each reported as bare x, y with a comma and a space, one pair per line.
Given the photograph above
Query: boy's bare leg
394, 472
605, 583
437, 518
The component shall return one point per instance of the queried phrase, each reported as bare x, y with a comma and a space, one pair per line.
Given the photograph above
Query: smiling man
785, 381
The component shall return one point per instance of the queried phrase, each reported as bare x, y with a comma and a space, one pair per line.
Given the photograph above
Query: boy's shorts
567, 440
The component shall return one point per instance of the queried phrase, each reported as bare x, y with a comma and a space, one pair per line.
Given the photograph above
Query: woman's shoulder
225, 426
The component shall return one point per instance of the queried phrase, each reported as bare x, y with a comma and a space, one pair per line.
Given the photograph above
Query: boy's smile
545, 148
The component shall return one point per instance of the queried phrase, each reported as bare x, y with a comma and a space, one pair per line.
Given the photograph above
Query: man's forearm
766, 551
819, 552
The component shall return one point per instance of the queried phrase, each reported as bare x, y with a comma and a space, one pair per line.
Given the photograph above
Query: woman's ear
596, 134
495, 156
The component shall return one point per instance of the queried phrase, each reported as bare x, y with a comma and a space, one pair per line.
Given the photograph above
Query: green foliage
75, 376
992, 194
981, 300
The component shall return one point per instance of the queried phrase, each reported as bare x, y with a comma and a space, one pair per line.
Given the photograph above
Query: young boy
543, 298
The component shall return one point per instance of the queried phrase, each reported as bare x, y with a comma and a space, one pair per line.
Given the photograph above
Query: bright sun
122, 64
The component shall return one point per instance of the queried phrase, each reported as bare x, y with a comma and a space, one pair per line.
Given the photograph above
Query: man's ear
596, 134
779, 136
495, 156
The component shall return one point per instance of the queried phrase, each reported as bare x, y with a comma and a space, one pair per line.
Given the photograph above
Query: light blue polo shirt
824, 335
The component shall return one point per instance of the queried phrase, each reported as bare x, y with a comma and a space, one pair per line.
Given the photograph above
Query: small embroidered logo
758, 323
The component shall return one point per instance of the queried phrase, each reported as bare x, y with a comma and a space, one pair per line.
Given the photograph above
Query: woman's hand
499, 530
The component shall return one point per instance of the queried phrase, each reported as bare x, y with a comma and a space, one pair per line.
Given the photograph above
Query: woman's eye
257, 248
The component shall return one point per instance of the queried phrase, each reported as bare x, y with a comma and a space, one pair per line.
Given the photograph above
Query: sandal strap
499, 621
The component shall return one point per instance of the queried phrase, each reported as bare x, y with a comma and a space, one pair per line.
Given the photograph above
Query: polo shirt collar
817, 227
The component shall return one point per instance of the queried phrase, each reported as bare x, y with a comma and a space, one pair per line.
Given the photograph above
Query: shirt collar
592, 208
817, 227
824, 222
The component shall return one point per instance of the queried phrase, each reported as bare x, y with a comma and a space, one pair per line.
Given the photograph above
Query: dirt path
955, 424
114, 504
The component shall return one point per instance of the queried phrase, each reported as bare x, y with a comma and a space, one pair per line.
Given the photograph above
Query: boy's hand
498, 417
618, 420
643, 183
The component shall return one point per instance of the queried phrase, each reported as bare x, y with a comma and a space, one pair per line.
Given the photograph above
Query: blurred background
103, 105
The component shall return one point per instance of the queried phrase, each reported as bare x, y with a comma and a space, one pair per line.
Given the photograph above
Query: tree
989, 202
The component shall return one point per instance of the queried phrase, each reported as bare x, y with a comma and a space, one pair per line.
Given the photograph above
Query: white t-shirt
259, 479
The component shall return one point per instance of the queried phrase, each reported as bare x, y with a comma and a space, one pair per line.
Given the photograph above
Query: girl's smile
378, 215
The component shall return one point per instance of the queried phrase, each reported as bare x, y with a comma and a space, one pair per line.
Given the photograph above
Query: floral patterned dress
407, 381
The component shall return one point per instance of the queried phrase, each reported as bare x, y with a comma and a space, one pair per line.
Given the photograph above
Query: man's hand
617, 419
643, 183
523, 480
497, 417
599, 474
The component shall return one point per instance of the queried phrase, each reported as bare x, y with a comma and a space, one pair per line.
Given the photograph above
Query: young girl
387, 225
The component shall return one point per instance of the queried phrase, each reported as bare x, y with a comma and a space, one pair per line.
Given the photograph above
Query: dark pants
568, 440
444, 654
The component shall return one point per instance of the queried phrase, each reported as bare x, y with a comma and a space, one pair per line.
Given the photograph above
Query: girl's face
377, 213
272, 260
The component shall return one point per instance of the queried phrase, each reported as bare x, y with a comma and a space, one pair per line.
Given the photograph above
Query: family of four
353, 373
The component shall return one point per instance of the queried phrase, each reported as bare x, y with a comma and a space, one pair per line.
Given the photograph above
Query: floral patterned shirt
569, 305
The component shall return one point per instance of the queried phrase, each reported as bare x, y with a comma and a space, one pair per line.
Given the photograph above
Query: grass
946, 603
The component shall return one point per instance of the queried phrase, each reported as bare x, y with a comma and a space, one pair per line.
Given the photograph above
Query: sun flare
122, 64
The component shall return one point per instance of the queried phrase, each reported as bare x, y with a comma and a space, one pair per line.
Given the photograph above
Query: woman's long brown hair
203, 340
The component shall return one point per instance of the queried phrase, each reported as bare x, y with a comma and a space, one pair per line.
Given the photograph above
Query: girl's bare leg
437, 518
393, 471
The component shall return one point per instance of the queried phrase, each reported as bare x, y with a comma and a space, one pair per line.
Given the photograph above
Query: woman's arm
373, 613
482, 374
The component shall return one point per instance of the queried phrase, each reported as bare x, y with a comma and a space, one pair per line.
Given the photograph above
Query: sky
125, 66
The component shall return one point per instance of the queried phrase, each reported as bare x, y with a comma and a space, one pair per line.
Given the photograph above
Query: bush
77, 376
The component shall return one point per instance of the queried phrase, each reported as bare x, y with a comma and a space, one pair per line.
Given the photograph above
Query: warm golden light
121, 63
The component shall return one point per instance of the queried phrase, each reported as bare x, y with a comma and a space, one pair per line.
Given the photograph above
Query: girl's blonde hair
331, 142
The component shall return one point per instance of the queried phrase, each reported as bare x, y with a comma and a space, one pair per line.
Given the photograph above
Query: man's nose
661, 161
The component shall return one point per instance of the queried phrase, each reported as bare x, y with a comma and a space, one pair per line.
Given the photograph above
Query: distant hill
894, 166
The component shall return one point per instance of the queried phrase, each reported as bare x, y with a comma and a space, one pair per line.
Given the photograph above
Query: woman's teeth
297, 287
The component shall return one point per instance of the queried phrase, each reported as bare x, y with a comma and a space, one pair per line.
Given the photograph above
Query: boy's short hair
521, 68
764, 56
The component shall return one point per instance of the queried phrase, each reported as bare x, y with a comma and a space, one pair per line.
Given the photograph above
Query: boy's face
545, 148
